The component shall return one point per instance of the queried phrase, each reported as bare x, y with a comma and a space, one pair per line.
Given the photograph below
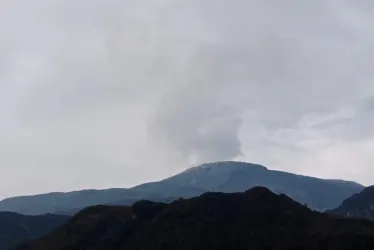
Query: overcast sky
110, 93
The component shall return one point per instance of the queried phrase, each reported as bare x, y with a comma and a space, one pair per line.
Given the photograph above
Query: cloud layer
112, 93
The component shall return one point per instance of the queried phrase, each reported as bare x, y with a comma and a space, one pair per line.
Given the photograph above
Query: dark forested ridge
318, 194
359, 205
16, 227
256, 219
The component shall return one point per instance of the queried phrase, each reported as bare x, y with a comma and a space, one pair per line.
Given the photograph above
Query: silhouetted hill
317, 193
256, 219
15, 227
359, 205
127, 202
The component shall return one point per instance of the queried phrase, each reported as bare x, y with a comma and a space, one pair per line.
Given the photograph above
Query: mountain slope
317, 193
256, 219
221, 176
16, 227
67, 203
51, 202
359, 205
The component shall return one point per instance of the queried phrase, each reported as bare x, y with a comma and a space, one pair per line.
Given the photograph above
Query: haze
107, 93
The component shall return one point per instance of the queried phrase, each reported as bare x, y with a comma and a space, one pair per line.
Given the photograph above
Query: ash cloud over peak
101, 86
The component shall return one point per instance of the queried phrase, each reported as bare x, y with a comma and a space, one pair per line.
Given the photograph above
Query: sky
109, 93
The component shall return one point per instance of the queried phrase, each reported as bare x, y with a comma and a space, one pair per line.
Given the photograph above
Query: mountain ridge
255, 219
15, 227
358, 205
230, 176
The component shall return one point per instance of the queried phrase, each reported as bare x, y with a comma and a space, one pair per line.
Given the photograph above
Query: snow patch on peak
225, 166
212, 175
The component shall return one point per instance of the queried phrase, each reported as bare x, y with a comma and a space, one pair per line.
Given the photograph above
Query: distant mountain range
16, 227
359, 205
257, 219
318, 194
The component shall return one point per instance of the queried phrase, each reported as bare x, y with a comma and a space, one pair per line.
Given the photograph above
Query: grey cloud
163, 84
